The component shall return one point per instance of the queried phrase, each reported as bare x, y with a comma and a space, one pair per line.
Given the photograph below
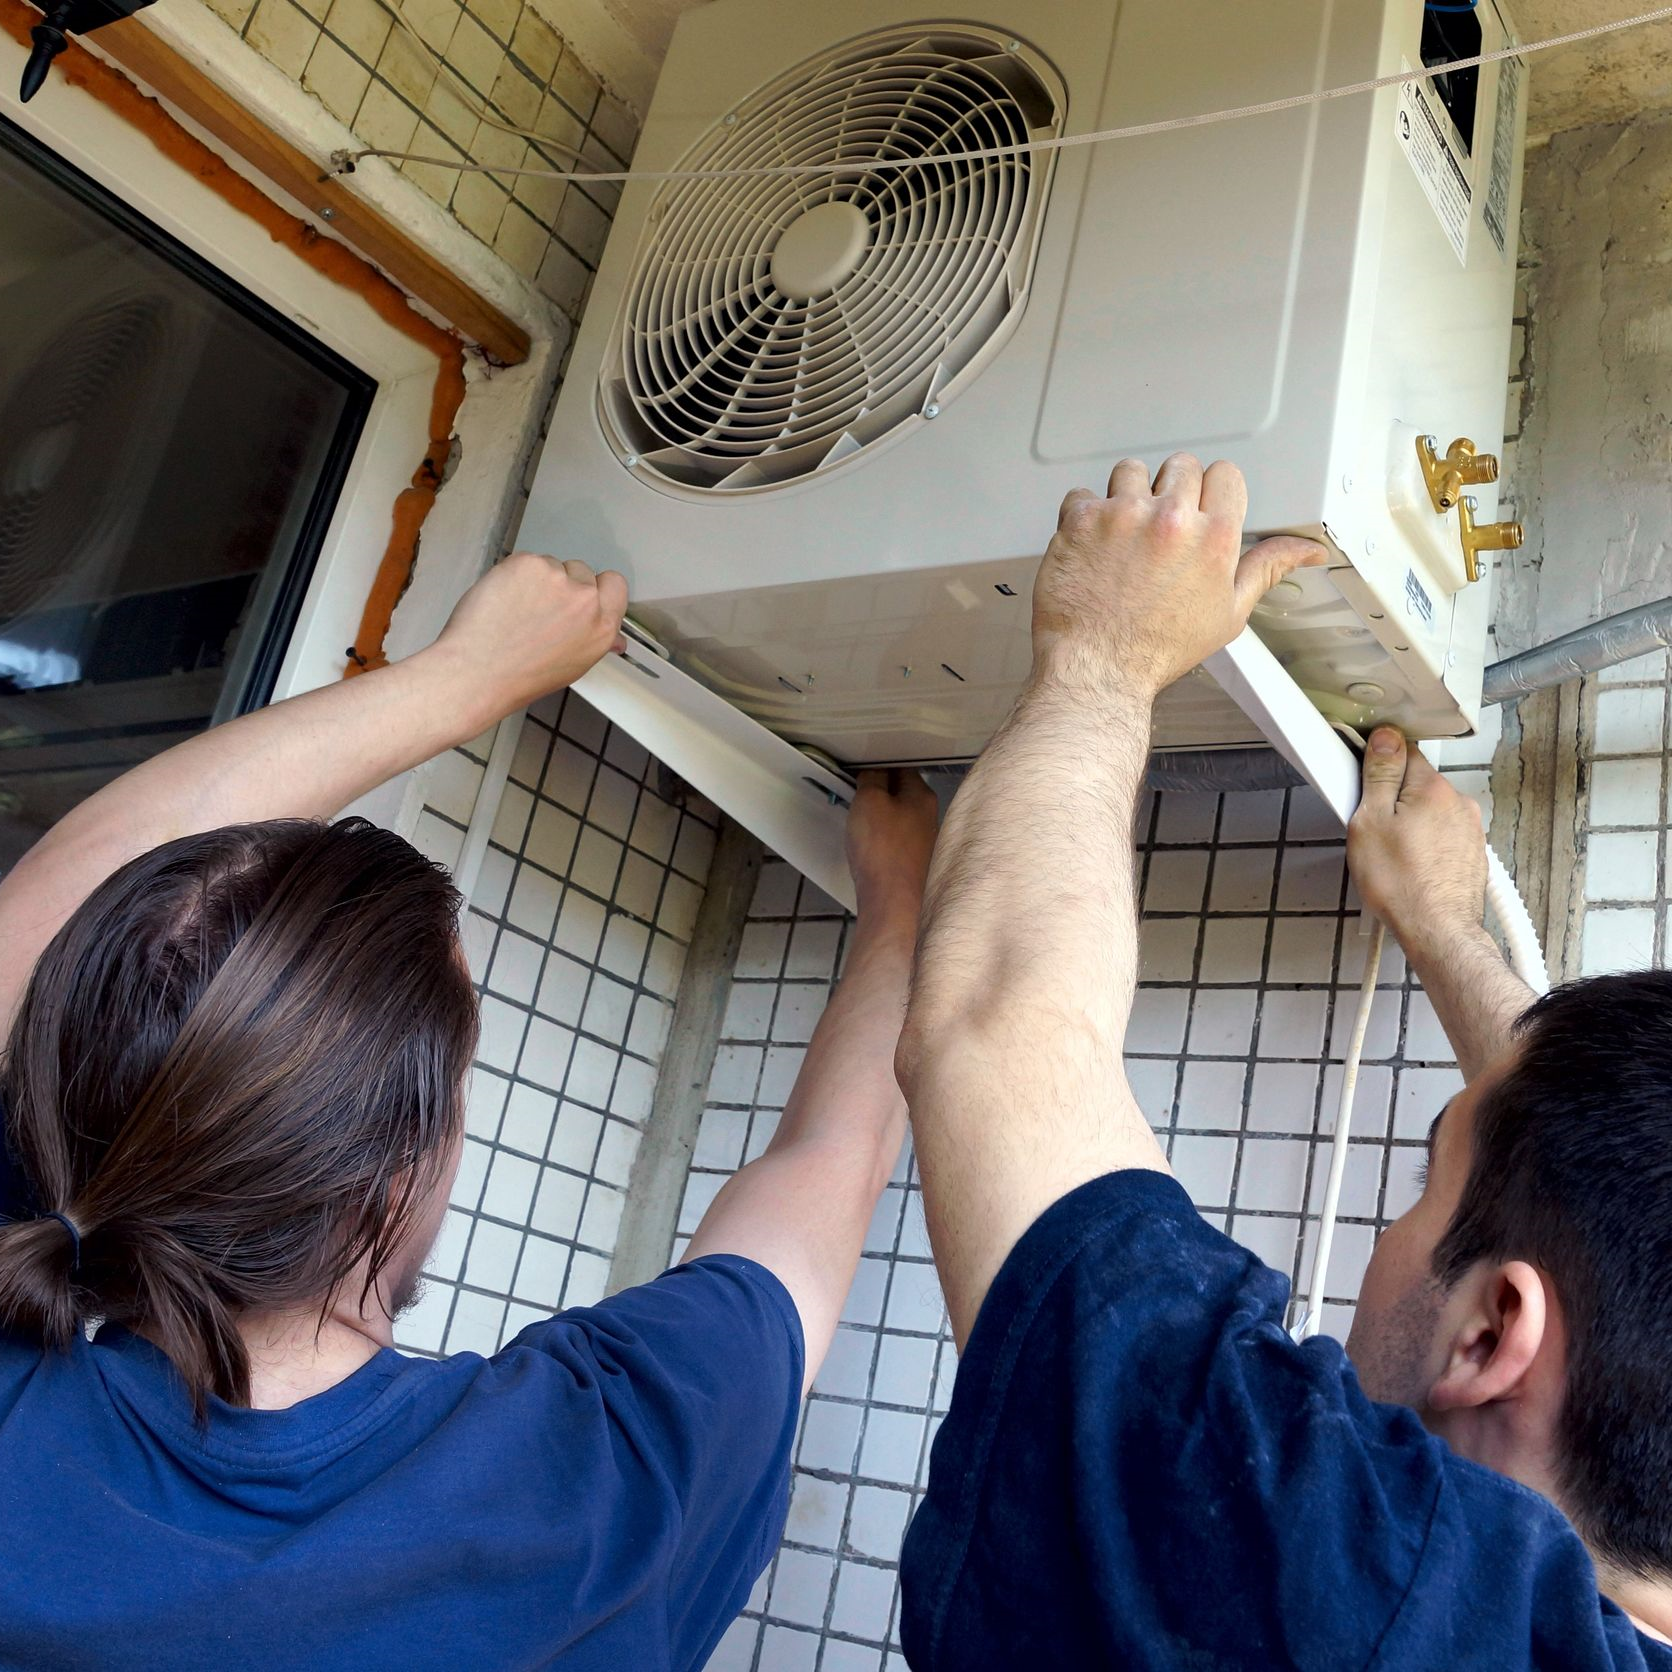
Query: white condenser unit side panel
832, 516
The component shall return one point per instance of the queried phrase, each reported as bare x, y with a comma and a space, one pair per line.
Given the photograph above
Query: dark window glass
1451, 31
170, 453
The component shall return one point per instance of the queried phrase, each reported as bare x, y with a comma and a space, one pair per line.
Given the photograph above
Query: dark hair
1572, 1170
236, 1070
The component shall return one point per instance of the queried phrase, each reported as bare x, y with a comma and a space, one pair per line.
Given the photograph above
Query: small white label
1495, 211
1417, 599
1430, 143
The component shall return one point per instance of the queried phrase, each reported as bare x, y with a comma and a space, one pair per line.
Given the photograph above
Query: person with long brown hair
237, 1042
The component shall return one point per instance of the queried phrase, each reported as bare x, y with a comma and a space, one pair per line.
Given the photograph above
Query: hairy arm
802, 1208
1418, 854
1012, 1059
528, 626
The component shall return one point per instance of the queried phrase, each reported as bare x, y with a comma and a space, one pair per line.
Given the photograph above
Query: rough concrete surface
1594, 470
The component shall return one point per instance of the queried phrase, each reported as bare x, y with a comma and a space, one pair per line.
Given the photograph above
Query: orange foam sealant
335, 261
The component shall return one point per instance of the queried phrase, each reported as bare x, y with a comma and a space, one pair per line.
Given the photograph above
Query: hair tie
75, 1237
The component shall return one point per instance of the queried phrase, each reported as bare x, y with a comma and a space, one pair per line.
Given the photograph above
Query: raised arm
801, 1209
528, 626
1012, 1055
1418, 855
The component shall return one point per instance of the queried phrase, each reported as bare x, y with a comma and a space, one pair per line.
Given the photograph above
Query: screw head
1012, 46
1469, 500
730, 119
630, 460
905, 673
1432, 440
1346, 484
328, 214
1451, 658
1370, 545
932, 410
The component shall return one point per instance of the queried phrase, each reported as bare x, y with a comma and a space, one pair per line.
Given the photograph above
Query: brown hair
236, 1071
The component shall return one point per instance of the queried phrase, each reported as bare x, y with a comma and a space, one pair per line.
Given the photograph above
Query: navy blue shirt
1140, 1469
598, 1496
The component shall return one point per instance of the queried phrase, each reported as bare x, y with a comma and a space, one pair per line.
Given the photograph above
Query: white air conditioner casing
1280, 290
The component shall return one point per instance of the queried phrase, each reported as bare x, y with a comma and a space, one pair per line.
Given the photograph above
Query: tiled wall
369, 74
1627, 870
576, 934
1251, 958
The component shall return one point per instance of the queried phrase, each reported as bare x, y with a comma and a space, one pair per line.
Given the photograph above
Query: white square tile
589, 1277
1312, 878
749, 1010
634, 1088
1210, 1096
829, 1436
551, 838
1233, 948
466, 1190
801, 1587
1372, 1098
484, 1102
1361, 1180
597, 862
1617, 940
1273, 1174
423, 1326
700, 1191
1292, 1024
1650, 667
1405, 1173
493, 882
613, 803
625, 941
677, 913
493, 1256
890, 1447
663, 966
877, 1522
1252, 816
627, 753
864, 1600
446, 1259
1355, 948
812, 949
510, 1188
476, 936
1176, 880
450, 784
546, 1053
915, 1303
1630, 721
864, 1302
575, 1136
562, 991
647, 1031
776, 890
735, 1652
1422, 1093
591, 1073
1622, 865
800, 1004
1425, 1039
1625, 792
1183, 816
601, 1217
846, 1371
515, 970
778, 1077
533, 903
1381, 1036
788, 1649
760, 954
1167, 948
580, 926
540, 1273
817, 1508
558, 1202
1302, 949
1271, 1240
436, 839
655, 825
640, 885
1310, 819
736, 1074
1242, 879
478, 1322
529, 757
883, 1231
1204, 1167
1221, 1023
581, 721
720, 1138
905, 1370
617, 1151
1283, 1097
1158, 1018
693, 853
609, 1008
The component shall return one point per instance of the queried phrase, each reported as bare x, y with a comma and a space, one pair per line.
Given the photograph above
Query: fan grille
774, 327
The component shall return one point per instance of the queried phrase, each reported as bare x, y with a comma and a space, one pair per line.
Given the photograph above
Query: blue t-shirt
598, 1496
1140, 1469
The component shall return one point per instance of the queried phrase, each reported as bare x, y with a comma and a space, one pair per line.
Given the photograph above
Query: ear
1496, 1340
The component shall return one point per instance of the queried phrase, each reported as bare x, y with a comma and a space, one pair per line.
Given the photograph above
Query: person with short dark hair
237, 1045
1140, 1468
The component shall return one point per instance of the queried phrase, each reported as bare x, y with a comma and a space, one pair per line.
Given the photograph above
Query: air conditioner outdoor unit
823, 421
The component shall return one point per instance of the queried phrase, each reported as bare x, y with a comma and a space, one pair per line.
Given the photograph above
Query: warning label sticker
1417, 601
1495, 211
1430, 142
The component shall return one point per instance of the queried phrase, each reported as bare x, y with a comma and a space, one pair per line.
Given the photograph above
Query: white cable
344, 161
1312, 1315
1520, 937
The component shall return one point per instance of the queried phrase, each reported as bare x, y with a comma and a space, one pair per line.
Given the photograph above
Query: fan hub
819, 249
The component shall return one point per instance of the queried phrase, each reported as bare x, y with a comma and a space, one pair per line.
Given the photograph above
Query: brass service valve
1460, 467
1483, 537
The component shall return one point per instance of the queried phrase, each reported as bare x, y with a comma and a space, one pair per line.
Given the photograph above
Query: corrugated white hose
1527, 960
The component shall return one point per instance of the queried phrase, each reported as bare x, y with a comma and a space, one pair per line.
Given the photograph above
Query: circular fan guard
720, 376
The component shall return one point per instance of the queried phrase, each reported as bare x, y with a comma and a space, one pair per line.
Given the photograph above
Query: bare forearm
1476, 995
1012, 1059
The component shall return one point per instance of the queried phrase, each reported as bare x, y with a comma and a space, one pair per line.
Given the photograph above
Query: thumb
1384, 770
1264, 565
612, 595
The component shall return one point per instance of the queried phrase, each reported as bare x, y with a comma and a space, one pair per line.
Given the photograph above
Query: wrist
1095, 670
463, 697
1448, 942
889, 907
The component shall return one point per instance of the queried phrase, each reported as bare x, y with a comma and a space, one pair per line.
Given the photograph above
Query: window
173, 450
